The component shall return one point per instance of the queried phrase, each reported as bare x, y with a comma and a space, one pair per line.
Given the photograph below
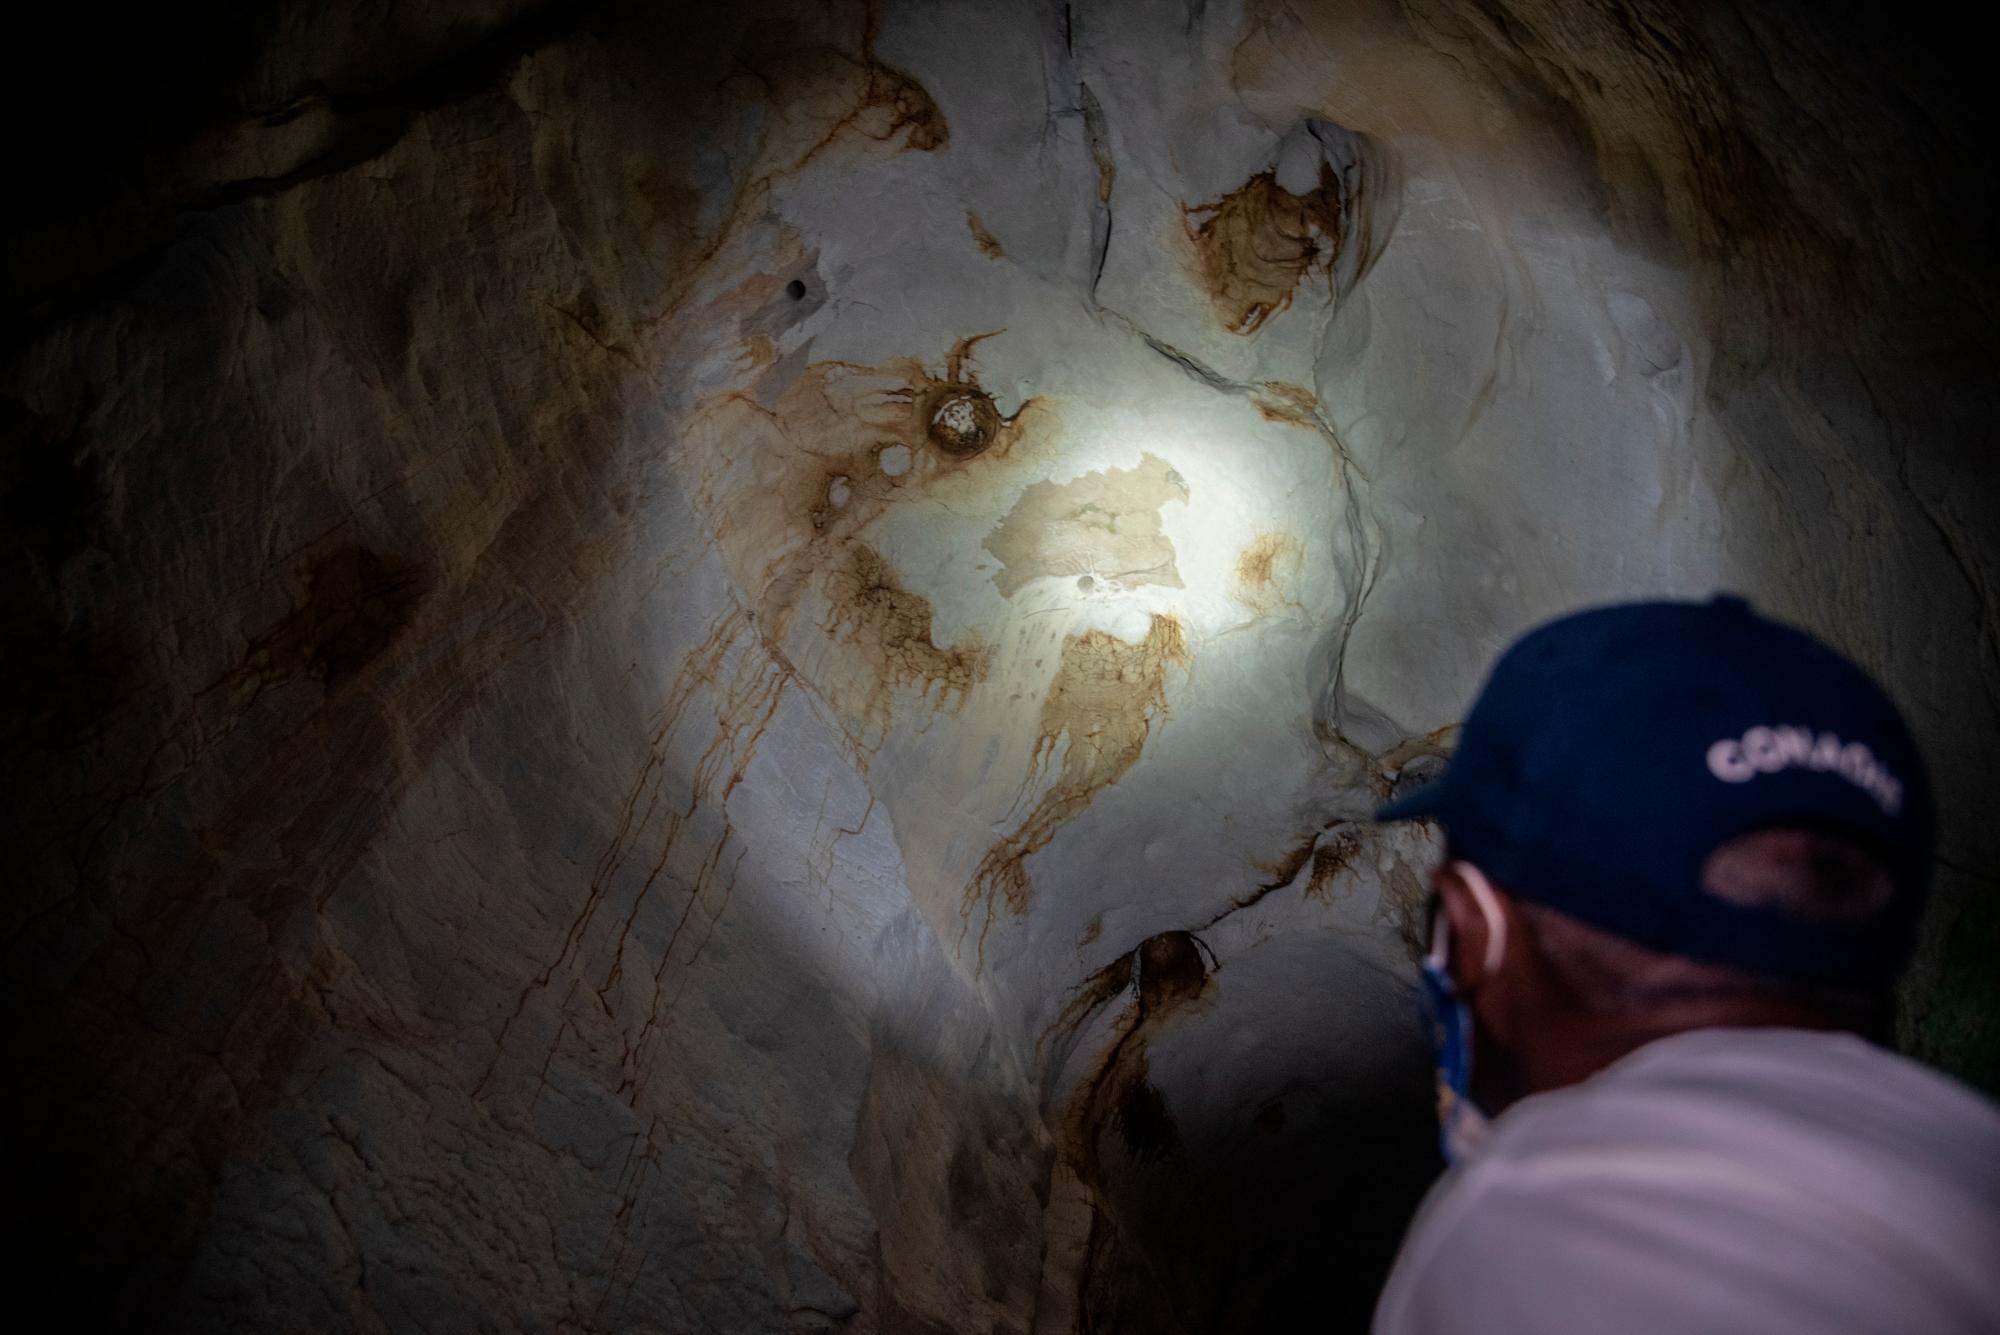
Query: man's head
1668, 816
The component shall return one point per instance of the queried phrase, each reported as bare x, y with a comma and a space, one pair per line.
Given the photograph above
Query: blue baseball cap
1612, 750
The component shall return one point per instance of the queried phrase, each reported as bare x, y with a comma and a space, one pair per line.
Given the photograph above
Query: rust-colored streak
893, 102
891, 628
825, 101
747, 684
1283, 401
739, 693
1255, 244
1280, 870
1332, 857
1167, 976
877, 103
792, 471
746, 696
1100, 145
955, 369
789, 474
1102, 704
1107, 171
1094, 991
989, 245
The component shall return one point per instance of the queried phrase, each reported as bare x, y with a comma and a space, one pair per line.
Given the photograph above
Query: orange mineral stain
1098, 712
791, 472
1254, 245
1266, 568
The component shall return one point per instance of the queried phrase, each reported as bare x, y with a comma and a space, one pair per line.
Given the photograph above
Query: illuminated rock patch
1104, 525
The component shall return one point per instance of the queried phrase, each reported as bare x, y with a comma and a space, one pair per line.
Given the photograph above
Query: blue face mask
1448, 1022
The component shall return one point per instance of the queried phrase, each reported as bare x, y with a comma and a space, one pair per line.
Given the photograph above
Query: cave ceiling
721, 667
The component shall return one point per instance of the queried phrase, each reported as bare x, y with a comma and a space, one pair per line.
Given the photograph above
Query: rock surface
719, 667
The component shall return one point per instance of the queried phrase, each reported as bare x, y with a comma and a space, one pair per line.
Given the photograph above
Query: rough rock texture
718, 667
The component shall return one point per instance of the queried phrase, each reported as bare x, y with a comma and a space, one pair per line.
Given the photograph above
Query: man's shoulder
1720, 1085
1771, 1105
1720, 1166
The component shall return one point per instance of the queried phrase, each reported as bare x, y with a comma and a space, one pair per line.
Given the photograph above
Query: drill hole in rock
963, 422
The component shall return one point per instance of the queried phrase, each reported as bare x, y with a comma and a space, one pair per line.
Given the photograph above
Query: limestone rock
720, 667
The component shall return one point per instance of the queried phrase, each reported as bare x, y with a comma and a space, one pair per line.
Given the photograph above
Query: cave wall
719, 667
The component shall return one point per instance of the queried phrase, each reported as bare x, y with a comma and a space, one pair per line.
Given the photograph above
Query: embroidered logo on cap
1766, 750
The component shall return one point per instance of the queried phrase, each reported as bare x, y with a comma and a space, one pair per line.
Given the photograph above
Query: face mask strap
1448, 1016
1488, 899
1440, 952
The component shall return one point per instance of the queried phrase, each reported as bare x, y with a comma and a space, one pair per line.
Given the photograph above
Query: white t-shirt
1721, 1180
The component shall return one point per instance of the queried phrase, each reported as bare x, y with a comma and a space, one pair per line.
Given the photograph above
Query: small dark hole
795, 289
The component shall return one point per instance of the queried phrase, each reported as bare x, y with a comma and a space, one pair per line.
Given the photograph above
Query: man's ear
1478, 932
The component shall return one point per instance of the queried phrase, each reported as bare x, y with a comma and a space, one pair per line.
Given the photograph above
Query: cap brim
1428, 800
